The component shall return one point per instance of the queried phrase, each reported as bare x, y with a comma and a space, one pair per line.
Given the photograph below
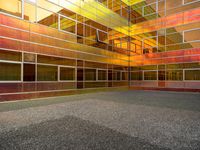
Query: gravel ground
108, 120
70, 133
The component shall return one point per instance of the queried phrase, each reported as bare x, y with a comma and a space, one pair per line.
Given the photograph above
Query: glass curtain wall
62, 45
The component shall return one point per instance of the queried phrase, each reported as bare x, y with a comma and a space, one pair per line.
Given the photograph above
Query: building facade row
56, 47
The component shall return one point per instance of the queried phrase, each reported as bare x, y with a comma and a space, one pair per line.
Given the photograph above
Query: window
29, 72
102, 36
125, 12
90, 32
47, 18
80, 74
102, 75
150, 45
10, 72
68, 13
183, 65
67, 24
10, 55
55, 60
154, 67
110, 75
67, 73
12, 7
80, 29
28, 57
29, 12
174, 75
95, 65
161, 75
118, 75
150, 9
90, 74
150, 75
192, 74
136, 75
191, 35
124, 75
47, 73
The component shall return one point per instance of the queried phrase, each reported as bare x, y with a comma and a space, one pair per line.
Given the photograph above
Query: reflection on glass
90, 74
47, 73
67, 73
10, 72
192, 74
150, 75
174, 75
102, 75
67, 24
47, 18
12, 7
10, 55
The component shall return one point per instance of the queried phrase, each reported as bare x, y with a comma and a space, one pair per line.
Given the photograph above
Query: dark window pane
110, 75
29, 72
80, 74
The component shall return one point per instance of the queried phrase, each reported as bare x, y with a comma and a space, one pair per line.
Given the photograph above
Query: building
57, 47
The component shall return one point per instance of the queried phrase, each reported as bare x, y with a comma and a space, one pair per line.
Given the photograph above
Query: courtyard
127, 119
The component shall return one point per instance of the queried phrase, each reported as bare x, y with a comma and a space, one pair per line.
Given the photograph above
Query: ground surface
149, 120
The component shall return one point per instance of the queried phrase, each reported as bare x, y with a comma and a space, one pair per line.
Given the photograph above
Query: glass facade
51, 47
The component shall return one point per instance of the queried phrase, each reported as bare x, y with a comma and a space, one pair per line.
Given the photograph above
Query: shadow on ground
70, 133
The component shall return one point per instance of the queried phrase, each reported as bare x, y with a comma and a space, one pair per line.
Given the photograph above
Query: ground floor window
192, 74
29, 72
10, 72
47, 73
67, 73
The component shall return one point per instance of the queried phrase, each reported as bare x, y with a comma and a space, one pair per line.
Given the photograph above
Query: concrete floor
106, 120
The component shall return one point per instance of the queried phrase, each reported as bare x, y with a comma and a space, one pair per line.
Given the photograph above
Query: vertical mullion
22, 8
22, 67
